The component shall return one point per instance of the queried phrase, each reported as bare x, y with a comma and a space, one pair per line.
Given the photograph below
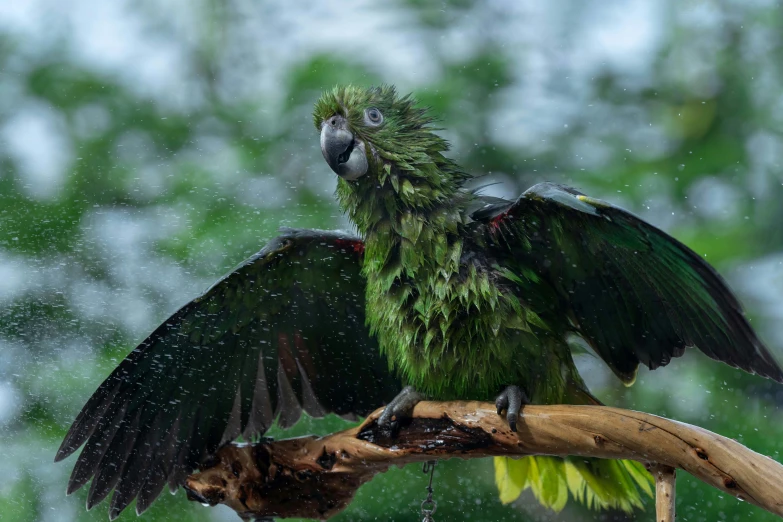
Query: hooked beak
342, 151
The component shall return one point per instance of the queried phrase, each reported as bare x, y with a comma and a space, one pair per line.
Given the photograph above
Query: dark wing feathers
281, 334
636, 294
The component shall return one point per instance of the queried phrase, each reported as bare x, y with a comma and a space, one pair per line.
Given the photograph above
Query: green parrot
443, 294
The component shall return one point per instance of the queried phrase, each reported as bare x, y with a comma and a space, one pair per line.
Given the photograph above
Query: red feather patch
355, 244
495, 222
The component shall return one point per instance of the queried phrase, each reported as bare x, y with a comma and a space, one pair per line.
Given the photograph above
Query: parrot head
364, 130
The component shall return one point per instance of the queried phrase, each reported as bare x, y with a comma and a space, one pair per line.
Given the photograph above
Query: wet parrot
442, 293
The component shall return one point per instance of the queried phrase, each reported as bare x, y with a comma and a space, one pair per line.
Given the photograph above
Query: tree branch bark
664, 491
316, 477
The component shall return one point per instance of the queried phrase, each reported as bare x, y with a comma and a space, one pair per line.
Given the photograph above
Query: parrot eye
373, 116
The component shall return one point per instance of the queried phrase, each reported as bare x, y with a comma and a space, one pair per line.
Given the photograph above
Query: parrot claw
399, 410
511, 399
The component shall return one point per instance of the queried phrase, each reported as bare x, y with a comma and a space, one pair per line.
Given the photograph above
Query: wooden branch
664, 491
316, 477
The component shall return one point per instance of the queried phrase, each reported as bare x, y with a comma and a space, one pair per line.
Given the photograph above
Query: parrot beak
342, 151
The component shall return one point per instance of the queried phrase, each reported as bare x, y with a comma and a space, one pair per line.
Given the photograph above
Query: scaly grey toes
511, 399
399, 409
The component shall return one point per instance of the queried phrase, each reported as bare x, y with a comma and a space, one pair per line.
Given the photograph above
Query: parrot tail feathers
596, 483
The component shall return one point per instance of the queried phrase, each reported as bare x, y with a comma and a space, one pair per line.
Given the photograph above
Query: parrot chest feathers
441, 317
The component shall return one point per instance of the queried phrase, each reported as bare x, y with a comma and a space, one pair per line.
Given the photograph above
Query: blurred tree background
146, 147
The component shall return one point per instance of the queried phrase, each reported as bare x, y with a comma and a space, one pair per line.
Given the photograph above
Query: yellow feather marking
510, 485
631, 382
551, 479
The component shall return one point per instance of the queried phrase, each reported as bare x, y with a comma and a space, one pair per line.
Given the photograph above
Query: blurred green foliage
139, 164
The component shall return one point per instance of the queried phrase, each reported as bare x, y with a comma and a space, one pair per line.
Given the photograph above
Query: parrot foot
399, 410
511, 399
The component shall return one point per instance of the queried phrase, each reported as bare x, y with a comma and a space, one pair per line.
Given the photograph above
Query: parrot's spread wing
636, 294
284, 332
